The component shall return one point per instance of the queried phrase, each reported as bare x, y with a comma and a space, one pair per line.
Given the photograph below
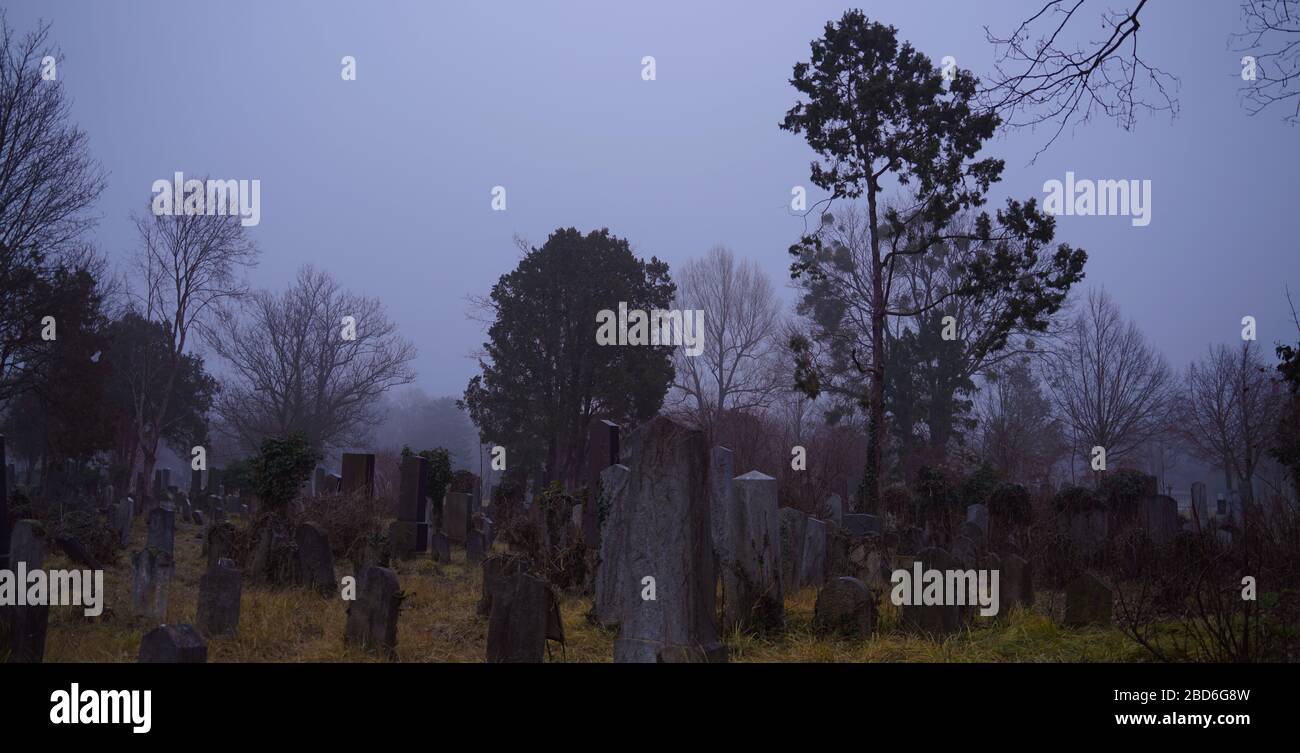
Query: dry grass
439, 624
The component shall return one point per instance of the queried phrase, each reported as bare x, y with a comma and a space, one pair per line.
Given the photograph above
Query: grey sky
385, 180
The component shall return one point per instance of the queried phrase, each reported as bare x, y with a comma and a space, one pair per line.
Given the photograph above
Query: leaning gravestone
162, 529
751, 572
372, 617
315, 560
659, 534
845, 606
812, 570
219, 594
28, 623
173, 644
794, 532
151, 582
517, 624
1087, 602
934, 620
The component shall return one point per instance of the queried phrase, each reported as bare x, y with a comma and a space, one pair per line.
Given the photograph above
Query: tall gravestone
610, 593
196, 483
219, 595
359, 474
794, 534
372, 617
28, 622
751, 567
602, 452
721, 500
520, 605
412, 510
162, 529
660, 534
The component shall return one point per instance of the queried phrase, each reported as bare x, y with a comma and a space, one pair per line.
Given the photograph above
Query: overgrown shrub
280, 469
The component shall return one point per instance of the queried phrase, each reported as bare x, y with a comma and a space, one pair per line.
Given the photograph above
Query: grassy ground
439, 624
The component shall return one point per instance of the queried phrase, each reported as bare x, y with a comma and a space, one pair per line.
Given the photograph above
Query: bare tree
191, 265
1048, 72
48, 183
1111, 388
314, 359
1018, 433
737, 369
1227, 409
1271, 33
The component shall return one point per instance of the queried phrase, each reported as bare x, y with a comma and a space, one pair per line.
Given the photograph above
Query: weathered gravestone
28, 623
150, 583
1159, 516
162, 529
751, 565
359, 474
794, 533
520, 606
173, 644
315, 560
456, 509
602, 452
722, 470
1087, 602
659, 537
1016, 584
833, 510
219, 594
933, 620
412, 507
123, 519
845, 606
812, 570
610, 579
372, 617
861, 524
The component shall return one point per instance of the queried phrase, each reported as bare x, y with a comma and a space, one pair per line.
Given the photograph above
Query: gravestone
833, 510
660, 529
610, 580
318, 487
498, 569
359, 474
214, 482
440, 547
721, 502
1087, 602
751, 570
413, 491
28, 623
162, 529
150, 584
845, 607
372, 617
218, 542
602, 452
861, 524
812, 570
219, 594
936, 620
474, 548
173, 644
1159, 516
456, 508
196, 482
1016, 584
315, 560
794, 533
402, 539
517, 624
123, 519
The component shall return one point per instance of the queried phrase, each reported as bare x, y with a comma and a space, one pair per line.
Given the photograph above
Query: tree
280, 468
877, 110
413, 418
1018, 434
314, 359
1112, 389
48, 183
1271, 32
741, 317
544, 375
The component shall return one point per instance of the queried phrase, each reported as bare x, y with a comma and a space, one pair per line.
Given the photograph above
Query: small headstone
173, 644
474, 548
315, 560
456, 508
219, 594
151, 582
936, 620
1159, 516
162, 529
1087, 602
372, 617
845, 606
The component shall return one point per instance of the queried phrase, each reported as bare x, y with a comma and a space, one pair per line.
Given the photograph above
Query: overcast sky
385, 181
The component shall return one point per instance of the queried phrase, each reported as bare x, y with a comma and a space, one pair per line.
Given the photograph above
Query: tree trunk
876, 415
